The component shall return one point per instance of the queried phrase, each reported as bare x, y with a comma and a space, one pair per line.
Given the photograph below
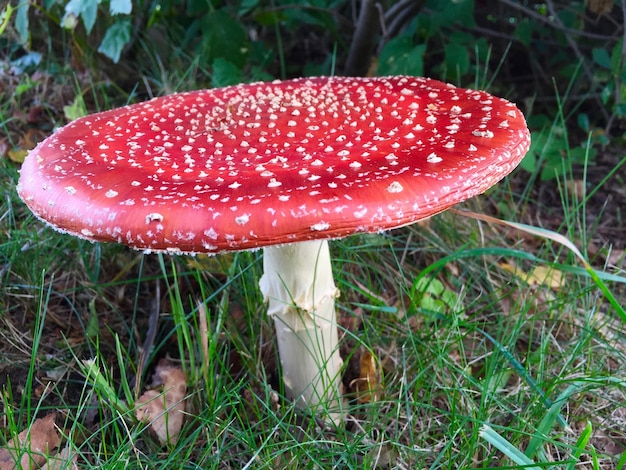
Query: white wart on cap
260, 164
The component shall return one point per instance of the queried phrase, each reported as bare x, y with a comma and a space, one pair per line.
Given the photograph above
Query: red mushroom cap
267, 163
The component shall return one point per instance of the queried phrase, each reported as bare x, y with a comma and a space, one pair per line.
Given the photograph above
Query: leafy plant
551, 156
116, 16
611, 73
430, 296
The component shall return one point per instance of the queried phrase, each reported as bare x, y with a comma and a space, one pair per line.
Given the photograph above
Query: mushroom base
298, 283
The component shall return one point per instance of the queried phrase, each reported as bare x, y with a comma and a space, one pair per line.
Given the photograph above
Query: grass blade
580, 446
504, 446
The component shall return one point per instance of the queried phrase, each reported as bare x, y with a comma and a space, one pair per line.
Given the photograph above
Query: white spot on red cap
154, 216
359, 214
242, 219
395, 187
483, 133
321, 226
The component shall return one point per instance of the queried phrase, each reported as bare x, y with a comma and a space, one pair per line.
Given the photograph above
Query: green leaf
21, 21
196, 7
601, 57
529, 162
401, 57
452, 12
246, 6
85, 9
116, 37
607, 93
620, 110
121, 7
296, 17
431, 304
76, 109
583, 122
223, 36
617, 61
524, 31
449, 298
430, 285
579, 155
89, 15
225, 73
457, 59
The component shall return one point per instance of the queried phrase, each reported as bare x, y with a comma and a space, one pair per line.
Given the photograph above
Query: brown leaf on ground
164, 408
539, 275
368, 385
35, 445
380, 456
62, 460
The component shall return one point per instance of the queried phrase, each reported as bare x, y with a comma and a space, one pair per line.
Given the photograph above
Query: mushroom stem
298, 283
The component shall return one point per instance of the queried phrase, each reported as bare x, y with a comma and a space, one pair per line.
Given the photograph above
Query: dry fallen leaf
62, 460
17, 155
542, 275
539, 275
367, 385
380, 456
164, 409
35, 445
617, 258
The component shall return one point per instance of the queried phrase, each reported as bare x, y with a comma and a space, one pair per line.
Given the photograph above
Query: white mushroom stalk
282, 163
298, 284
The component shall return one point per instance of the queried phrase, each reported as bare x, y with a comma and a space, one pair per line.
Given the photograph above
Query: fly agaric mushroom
285, 166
